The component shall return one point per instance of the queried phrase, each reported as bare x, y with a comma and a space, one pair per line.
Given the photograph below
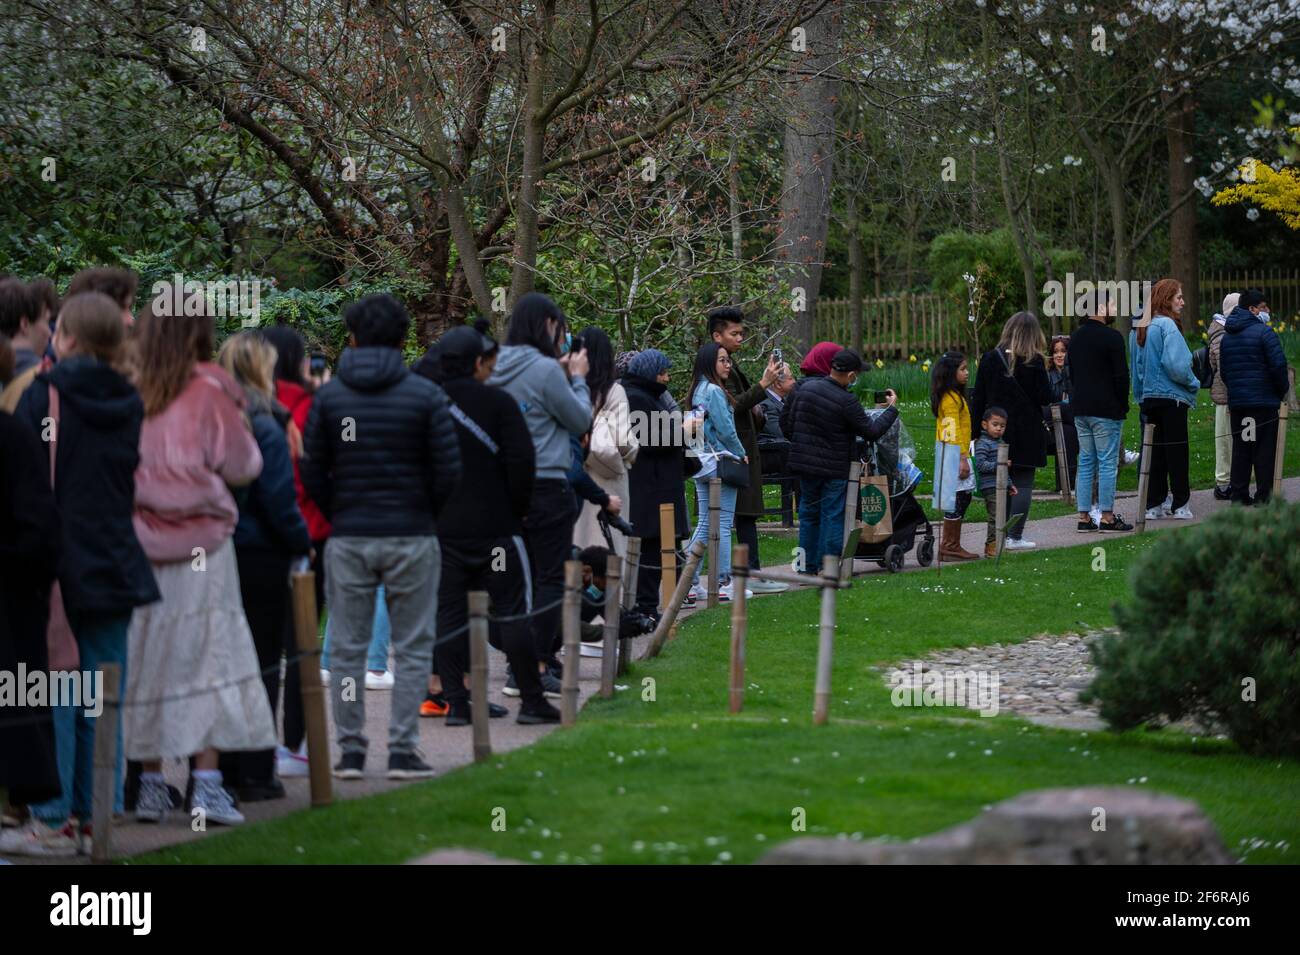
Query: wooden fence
1282, 286
893, 326
926, 323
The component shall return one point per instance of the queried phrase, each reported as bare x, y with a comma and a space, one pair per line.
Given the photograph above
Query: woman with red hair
1165, 387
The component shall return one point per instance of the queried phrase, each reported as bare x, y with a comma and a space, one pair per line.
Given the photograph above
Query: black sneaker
408, 766
461, 714
350, 766
261, 791
1086, 527
541, 713
1222, 492
511, 688
551, 686
1118, 524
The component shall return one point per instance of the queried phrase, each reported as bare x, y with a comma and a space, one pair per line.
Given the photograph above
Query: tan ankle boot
991, 549
950, 547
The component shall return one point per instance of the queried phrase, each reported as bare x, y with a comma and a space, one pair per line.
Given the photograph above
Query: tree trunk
737, 237
534, 136
856, 268
808, 159
1184, 243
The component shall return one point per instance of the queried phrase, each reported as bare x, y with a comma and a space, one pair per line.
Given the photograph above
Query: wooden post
572, 626
739, 621
1062, 454
851, 492
1282, 413
826, 640
715, 522
1144, 477
667, 553
306, 624
608, 662
669, 617
105, 763
478, 673
1000, 515
630, 571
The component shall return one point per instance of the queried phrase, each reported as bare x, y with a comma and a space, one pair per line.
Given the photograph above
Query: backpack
1201, 366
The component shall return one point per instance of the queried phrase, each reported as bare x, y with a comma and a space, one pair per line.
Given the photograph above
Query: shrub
1212, 632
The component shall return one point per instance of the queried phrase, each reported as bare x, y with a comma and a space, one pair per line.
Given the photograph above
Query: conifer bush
1212, 632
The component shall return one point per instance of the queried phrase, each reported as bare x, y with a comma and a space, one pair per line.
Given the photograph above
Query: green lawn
681, 780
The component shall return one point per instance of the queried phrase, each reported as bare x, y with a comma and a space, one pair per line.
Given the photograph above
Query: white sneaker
590, 650
35, 839
289, 763
218, 807
1130, 458
1095, 513
1184, 513
379, 681
1014, 543
1167, 505
726, 592
698, 593
767, 586
324, 677
1155, 513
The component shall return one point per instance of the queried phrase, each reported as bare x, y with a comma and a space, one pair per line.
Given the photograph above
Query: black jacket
749, 500
1252, 362
29, 556
657, 476
496, 487
269, 518
824, 420
1022, 397
103, 568
380, 453
1098, 372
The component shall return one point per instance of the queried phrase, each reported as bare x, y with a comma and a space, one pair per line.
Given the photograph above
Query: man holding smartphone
727, 328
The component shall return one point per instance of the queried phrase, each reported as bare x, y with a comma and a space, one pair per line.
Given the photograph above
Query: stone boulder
1044, 827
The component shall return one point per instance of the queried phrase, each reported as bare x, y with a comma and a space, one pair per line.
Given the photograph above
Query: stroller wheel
894, 558
925, 552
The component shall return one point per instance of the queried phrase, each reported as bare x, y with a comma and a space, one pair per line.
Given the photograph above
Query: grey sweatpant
408, 567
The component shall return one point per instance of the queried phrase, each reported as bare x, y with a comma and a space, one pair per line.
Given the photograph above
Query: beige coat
613, 452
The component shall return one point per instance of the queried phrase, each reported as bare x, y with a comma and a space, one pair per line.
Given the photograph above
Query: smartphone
882, 398
779, 359
318, 363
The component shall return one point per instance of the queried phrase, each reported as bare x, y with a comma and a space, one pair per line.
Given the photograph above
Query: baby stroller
893, 455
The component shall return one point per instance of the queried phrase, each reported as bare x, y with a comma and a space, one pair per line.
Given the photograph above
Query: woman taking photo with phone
721, 454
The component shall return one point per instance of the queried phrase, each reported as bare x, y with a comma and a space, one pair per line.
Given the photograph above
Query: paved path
447, 748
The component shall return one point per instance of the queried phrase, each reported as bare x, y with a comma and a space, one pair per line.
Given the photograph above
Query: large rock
462, 857
1046, 827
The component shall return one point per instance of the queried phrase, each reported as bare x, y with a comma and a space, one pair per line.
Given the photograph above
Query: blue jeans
1099, 444
726, 516
100, 639
381, 635
821, 519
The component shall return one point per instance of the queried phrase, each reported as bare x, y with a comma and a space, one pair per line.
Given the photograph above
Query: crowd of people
156, 493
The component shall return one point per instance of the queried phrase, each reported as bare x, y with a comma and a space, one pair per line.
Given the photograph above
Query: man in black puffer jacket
1254, 371
381, 457
822, 419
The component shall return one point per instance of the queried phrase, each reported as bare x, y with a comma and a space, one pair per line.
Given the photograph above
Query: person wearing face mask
1219, 394
1254, 371
823, 425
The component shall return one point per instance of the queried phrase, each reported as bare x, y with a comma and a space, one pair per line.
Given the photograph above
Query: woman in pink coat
193, 684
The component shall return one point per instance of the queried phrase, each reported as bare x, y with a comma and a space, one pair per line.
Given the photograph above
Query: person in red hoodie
294, 390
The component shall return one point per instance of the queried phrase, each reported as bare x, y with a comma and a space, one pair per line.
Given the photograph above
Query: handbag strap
472, 426
54, 439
